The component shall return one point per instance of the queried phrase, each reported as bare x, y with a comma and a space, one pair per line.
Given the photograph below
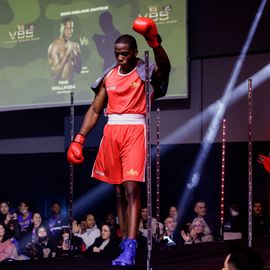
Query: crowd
25, 234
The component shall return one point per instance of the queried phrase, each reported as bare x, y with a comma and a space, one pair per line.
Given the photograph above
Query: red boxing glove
265, 161
75, 150
147, 28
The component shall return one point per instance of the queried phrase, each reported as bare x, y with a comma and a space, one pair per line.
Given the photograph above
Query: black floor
206, 256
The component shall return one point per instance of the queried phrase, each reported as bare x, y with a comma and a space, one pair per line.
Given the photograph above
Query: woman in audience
8, 250
44, 246
9, 217
30, 235
107, 243
200, 232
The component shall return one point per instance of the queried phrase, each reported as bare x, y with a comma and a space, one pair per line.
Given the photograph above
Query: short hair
66, 19
56, 202
245, 258
127, 39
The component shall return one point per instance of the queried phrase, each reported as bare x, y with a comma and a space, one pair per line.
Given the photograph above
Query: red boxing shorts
121, 155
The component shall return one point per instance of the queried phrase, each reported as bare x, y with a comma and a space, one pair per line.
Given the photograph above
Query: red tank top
126, 93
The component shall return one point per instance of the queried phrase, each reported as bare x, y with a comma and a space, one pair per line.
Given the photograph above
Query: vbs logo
23, 33
159, 16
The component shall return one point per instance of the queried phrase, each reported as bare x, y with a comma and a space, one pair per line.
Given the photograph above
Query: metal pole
158, 175
222, 195
250, 192
71, 171
148, 162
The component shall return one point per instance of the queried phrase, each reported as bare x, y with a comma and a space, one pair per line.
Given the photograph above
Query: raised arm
147, 28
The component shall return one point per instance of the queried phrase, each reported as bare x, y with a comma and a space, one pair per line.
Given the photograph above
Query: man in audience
169, 238
260, 220
87, 230
56, 221
24, 216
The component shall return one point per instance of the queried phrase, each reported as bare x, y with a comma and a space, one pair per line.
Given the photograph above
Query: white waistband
130, 119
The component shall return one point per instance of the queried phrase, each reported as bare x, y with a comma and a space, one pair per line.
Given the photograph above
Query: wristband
79, 139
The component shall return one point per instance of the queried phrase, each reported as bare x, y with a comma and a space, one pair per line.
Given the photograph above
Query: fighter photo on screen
64, 55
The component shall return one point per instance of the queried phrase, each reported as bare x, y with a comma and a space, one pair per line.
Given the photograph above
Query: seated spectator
44, 246
173, 213
56, 221
70, 244
24, 216
233, 221
111, 220
168, 237
243, 258
87, 230
8, 250
200, 211
107, 243
260, 221
9, 217
199, 233
30, 236
157, 227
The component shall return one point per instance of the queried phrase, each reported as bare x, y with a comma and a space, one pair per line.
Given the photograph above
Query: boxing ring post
158, 175
250, 191
148, 161
222, 177
71, 170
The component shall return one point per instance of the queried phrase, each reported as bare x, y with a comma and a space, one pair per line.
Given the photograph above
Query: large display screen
49, 48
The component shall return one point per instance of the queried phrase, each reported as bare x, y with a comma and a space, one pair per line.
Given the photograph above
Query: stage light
209, 137
91, 199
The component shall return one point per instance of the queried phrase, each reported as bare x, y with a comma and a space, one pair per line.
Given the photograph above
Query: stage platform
205, 256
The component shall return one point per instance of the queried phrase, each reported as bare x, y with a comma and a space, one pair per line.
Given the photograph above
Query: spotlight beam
194, 178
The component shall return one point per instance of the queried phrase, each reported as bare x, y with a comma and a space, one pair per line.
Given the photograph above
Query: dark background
215, 29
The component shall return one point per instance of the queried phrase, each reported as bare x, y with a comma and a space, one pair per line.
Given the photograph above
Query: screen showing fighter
64, 55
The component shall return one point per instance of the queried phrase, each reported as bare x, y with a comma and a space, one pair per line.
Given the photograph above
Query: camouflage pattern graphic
29, 27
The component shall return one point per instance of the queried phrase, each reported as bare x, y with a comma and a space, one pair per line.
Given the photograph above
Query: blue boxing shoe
128, 253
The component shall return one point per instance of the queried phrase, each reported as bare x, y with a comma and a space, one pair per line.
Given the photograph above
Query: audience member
260, 226
44, 246
111, 220
107, 243
173, 213
169, 238
243, 258
9, 217
233, 221
200, 232
87, 230
8, 250
30, 236
24, 216
56, 222
70, 244
157, 227
200, 211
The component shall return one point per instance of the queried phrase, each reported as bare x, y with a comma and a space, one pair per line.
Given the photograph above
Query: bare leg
128, 210
121, 207
132, 192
